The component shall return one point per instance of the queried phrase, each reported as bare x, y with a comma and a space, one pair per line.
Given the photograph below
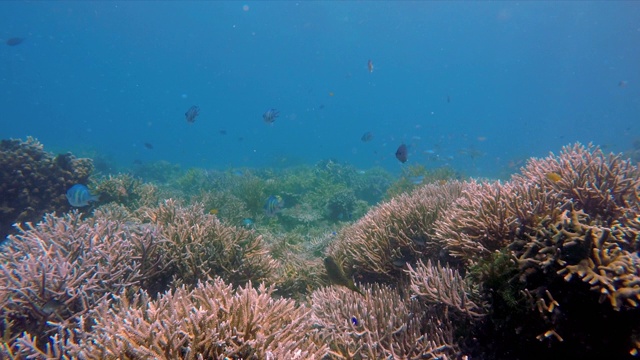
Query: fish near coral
553, 176
270, 116
192, 113
402, 154
337, 276
79, 196
273, 205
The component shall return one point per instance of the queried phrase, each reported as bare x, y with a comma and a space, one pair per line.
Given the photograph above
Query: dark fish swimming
14, 41
79, 196
192, 114
370, 66
366, 137
337, 276
401, 153
273, 205
270, 116
148, 146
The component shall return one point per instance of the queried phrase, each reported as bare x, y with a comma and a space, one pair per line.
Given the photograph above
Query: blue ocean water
479, 86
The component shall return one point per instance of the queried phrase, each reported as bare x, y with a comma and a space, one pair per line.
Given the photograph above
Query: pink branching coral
489, 216
200, 246
211, 321
380, 325
55, 272
601, 185
478, 222
393, 233
436, 284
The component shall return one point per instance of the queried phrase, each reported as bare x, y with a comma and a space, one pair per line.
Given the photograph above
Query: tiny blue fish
270, 116
248, 223
354, 321
273, 205
79, 196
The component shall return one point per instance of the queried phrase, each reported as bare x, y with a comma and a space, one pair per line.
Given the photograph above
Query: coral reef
34, 182
380, 325
442, 285
547, 263
57, 271
394, 233
569, 226
126, 190
211, 321
199, 246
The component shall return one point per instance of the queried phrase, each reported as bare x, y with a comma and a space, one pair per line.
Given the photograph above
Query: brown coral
34, 182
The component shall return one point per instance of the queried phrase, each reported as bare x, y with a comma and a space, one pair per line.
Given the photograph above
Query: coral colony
165, 264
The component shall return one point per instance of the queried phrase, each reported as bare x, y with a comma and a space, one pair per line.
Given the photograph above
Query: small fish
192, 114
448, 99
248, 223
214, 211
222, 132
79, 196
273, 205
370, 66
270, 116
555, 177
366, 137
623, 83
401, 153
52, 306
337, 276
14, 41
148, 145
416, 180
354, 321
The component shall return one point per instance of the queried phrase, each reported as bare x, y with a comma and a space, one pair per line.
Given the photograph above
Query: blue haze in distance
501, 81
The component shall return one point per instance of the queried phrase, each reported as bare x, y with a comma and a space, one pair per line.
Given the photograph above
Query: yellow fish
214, 211
337, 276
555, 177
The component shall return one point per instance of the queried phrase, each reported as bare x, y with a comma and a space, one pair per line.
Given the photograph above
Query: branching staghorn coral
441, 285
126, 190
605, 258
200, 246
488, 216
379, 325
393, 233
52, 273
212, 321
584, 178
478, 222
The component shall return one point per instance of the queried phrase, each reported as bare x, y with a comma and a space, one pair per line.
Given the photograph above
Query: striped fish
79, 196
273, 205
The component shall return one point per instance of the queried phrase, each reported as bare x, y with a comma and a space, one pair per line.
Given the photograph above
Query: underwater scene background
319, 180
